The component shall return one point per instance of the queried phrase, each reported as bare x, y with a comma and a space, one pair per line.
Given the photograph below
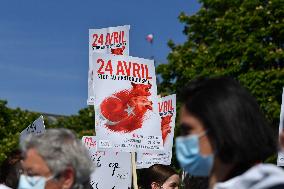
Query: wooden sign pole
134, 172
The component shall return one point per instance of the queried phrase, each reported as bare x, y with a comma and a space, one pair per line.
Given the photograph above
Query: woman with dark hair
160, 176
226, 137
193, 182
10, 170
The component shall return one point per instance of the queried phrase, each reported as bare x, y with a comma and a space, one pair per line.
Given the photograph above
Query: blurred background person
226, 137
55, 160
159, 176
281, 138
193, 182
10, 170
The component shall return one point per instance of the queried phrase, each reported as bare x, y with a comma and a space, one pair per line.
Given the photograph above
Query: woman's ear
68, 178
155, 185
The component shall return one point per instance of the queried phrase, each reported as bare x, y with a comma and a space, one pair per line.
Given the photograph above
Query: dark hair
237, 129
156, 173
195, 182
10, 169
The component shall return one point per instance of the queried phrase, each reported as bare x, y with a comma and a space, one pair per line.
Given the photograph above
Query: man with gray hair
55, 160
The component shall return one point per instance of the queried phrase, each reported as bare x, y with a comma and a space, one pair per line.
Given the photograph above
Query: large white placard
112, 40
280, 159
167, 111
36, 128
126, 103
112, 170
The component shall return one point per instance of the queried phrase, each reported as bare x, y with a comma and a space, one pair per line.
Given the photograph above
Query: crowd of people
223, 143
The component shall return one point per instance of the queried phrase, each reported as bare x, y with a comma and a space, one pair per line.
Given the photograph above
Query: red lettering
101, 39
119, 68
160, 106
165, 106
142, 69
127, 69
136, 69
171, 105
95, 37
115, 37
109, 67
108, 39
123, 40
147, 72
119, 37
102, 62
89, 142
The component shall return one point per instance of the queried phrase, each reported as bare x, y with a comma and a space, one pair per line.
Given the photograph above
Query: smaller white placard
112, 170
36, 128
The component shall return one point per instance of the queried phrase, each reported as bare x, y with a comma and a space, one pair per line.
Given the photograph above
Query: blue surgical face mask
32, 182
189, 157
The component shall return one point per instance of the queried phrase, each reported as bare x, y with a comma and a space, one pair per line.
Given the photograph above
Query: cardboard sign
112, 40
280, 159
167, 111
36, 128
112, 170
126, 103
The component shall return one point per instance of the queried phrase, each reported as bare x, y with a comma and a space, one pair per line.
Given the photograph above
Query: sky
44, 45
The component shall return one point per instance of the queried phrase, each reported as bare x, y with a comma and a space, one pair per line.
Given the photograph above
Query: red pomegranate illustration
118, 51
124, 111
165, 126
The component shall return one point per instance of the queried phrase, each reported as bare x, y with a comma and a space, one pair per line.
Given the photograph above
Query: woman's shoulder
279, 186
266, 176
4, 187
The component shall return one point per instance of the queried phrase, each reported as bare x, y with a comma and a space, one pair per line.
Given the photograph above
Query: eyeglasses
28, 173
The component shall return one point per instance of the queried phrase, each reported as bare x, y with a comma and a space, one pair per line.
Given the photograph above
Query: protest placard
167, 111
111, 40
126, 104
280, 159
36, 128
112, 170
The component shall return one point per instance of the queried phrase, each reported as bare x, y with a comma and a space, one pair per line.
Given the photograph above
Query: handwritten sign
36, 128
90, 142
167, 111
280, 159
126, 104
112, 40
112, 170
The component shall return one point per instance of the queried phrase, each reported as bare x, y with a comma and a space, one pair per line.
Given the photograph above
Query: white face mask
33, 182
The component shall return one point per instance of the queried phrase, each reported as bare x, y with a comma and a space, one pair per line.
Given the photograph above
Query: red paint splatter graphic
165, 126
124, 111
118, 51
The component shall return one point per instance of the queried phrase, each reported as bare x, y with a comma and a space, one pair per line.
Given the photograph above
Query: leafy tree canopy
243, 39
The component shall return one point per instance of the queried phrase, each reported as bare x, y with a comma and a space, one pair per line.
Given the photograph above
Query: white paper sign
126, 104
36, 128
112, 40
112, 170
280, 159
167, 111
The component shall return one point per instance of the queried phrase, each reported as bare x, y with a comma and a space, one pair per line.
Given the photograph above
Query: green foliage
13, 121
82, 124
242, 39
